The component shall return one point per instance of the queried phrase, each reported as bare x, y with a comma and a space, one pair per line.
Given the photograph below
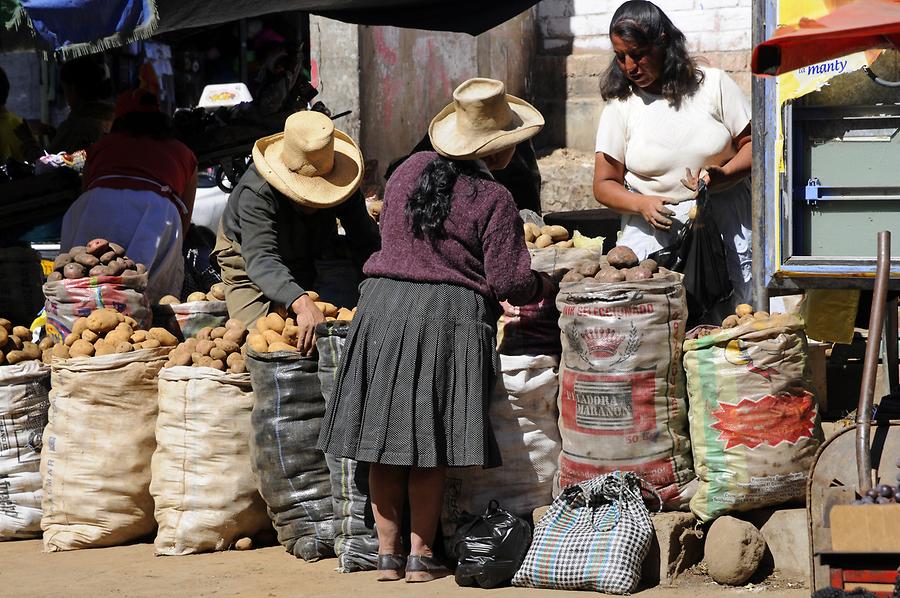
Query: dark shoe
421, 568
391, 567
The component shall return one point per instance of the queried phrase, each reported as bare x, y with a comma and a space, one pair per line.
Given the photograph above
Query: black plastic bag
293, 477
355, 540
490, 547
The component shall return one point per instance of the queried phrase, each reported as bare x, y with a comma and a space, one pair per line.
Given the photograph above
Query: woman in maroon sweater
412, 392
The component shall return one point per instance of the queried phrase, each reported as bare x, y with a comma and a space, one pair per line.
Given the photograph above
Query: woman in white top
668, 121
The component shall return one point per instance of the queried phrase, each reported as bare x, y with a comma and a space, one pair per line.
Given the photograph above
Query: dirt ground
134, 572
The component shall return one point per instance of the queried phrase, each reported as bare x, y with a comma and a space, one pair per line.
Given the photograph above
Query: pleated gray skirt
415, 379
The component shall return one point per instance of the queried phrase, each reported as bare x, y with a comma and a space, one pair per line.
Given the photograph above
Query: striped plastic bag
753, 418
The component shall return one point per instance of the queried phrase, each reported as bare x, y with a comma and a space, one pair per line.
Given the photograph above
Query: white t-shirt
656, 143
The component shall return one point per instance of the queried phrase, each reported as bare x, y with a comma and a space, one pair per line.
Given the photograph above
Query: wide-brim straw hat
482, 120
310, 162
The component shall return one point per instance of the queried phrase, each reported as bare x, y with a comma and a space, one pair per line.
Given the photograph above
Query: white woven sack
204, 489
95, 461
23, 415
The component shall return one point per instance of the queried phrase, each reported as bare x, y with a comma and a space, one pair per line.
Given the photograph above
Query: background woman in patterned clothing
412, 391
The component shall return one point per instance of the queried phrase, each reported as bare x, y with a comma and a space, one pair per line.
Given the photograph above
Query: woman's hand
308, 316
653, 209
716, 178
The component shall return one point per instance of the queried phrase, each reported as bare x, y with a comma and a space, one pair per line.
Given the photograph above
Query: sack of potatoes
16, 345
221, 348
274, 333
216, 293
106, 332
98, 258
621, 264
541, 237
743, 314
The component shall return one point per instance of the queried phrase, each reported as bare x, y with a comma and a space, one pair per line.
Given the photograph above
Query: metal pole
760, 170
870, 364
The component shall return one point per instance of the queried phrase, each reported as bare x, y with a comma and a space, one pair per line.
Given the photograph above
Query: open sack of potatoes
199, 310
90, 277
203, 486
100, 437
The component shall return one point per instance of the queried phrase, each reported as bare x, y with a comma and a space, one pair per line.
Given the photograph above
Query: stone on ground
667, 546
734, 550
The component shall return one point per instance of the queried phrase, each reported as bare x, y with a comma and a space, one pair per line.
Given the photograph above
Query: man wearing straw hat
280, 222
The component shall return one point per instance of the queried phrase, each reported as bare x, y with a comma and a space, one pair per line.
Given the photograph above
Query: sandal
424, 568
391, 567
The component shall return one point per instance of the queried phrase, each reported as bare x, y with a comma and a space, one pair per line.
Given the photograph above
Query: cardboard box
865, 528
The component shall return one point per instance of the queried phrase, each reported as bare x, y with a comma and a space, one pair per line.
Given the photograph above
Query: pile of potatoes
98, 258
106, 332
743, 314
16, 345
329, 310
539, 237
274, 333
620, 264
220, 348
216, 293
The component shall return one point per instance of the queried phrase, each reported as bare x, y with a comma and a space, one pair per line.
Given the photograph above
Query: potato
14, 357
130, 321
22, 332
140, 268
529, 245
543, 241
87, 260
744, 309
54, 277
72, 271
169, 300
638, 273
61, 260
239, 366
107, 257
761, 315
129, 264
217, 364
229, 361
205, 362
217, 353
102, 321
196, 357
124, 347
117, 249
610, 275
181, 358
217, 291
165, 338
71, 338
262, 325
79, 326
151, 343
257, 342
572, 276
564, 244
60, 350
273, 337
290, 331
281, 346
555, 232
99, 271
234, 335
115, 269
196, 296
15, 342
234, 324
31, 350
730, 321
275, 322
226, 345
587, 268
203, 333
139, 336
313, 295
244, 544
650, 265
4, 336
6, 325
344, 314
204, 347
190, 344
622, 257
532, 231
746, 320
97, 246
46, 343
118, 336
90, 336
81, 348
73, 251
46, 356
218, 332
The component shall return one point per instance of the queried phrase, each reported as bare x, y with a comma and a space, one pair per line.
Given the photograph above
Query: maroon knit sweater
484, 245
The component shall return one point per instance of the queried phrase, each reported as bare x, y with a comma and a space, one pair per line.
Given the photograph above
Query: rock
734, 550
244, 544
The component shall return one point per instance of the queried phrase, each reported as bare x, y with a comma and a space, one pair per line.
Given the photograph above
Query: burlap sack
98, 443
202, 484
622, 395
68, 300
754, 422
23, 415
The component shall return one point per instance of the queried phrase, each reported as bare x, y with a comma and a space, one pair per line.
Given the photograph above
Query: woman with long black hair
413, 386
667, 122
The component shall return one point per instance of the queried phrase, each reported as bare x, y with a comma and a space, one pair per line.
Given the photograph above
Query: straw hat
482, 120
311, 162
